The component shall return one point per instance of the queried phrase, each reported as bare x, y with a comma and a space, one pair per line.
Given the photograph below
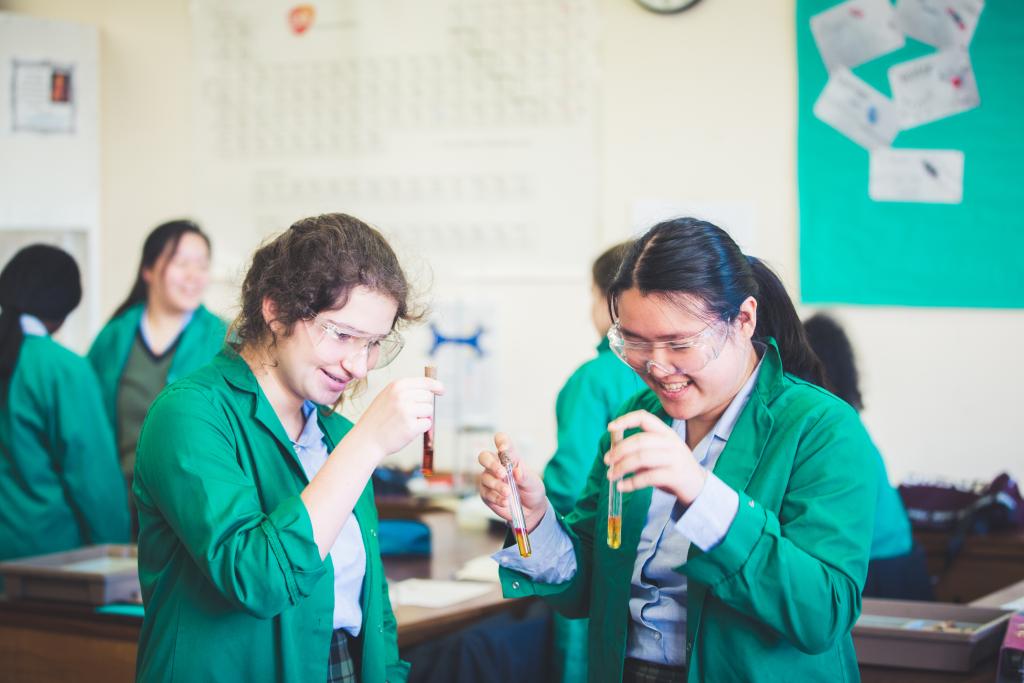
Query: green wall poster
968, 252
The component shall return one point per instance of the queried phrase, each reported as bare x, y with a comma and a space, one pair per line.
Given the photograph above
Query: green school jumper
777, 598
232, 579
59, 483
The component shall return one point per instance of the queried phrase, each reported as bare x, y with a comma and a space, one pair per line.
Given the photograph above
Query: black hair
42, 281
833, 347
696, 258
607, 265
164, 237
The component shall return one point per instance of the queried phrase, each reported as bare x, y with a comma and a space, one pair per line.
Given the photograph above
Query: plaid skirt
639, 671
340, 666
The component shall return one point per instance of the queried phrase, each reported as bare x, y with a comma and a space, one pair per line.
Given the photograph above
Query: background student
258, 550
748, 496
59, 482
160, 333
897, 569
586, 404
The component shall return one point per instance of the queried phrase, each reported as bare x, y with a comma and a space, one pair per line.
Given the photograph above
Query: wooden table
52, 641
986, 563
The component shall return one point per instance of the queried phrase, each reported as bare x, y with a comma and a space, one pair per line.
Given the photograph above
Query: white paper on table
940, 23
917, 175
858, 111
855, 32
482, 568
933, 87
103, 565
432, 593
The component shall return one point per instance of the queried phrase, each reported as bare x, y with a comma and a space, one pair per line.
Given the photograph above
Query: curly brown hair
314, 266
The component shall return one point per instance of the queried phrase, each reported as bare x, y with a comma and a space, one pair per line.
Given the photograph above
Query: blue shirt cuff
709, 517
552, 559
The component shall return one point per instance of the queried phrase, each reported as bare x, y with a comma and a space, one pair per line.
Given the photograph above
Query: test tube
518, 518
428, 436
615, 506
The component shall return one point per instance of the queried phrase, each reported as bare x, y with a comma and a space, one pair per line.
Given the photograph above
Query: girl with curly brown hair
258, 550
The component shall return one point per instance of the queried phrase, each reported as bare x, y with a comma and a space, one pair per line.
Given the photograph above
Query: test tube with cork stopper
428, 436
516, 507
615, 505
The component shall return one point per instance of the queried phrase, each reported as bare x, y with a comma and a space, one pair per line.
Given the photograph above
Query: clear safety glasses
341, 342
677, 357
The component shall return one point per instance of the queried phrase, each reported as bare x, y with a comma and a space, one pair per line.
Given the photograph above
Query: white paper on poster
933, 87
940, 23
858, 111
917, 175
43, 97
855, 32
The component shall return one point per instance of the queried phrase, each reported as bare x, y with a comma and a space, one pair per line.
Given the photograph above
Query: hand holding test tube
516, 506
615, 505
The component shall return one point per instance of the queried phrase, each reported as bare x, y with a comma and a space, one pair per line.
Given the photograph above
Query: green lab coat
200, 341
586, 404
232, 579
776, 599
60, 486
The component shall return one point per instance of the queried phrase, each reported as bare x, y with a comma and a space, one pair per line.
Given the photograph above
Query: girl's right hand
495, 491
402, 411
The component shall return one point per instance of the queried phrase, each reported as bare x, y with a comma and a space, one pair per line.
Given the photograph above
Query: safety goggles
683, 356
338, 341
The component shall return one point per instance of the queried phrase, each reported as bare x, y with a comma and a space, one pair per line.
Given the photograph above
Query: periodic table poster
465, 130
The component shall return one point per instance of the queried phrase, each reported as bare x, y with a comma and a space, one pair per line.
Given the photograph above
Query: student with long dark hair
59, 482
586, 403
159, 333
897, 569
748, 492
258, 551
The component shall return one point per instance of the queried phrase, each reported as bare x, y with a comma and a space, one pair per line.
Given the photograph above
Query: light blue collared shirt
657, 603
147, 334
32, 326
348, 553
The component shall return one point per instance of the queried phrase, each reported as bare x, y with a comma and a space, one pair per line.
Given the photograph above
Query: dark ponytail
777, 318
693, 257
41, 281
164, 237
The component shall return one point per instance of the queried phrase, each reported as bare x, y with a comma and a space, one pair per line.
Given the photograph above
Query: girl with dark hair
897, 569
258, 550
585, 405
747, 491
58, 468
159, 334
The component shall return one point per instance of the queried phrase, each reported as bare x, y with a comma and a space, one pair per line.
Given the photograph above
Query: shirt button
751, 503
515, 585
373, 532
657, 635
689, 647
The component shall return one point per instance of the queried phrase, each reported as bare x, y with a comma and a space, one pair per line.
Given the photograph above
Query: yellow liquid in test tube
615, 506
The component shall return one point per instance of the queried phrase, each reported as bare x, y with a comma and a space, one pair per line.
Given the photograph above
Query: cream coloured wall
698, 106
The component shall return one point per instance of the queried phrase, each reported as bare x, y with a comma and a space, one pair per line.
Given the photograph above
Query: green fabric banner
856, 250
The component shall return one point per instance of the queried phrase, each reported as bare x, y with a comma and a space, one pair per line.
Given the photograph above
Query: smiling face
178, 279
310, 367
702, 394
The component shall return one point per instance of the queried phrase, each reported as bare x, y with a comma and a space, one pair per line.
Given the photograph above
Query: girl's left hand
655, 457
